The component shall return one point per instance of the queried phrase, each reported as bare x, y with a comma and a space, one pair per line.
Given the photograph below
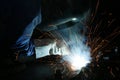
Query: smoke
72, 44
78, 53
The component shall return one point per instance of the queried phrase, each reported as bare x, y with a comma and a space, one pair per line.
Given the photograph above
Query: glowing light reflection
79, 52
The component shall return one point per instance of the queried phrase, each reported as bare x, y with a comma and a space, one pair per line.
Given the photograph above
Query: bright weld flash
77, 62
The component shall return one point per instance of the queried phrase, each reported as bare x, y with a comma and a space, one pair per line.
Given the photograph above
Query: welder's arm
24, 44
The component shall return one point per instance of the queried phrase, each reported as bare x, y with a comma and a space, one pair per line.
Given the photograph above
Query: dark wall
15, 15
